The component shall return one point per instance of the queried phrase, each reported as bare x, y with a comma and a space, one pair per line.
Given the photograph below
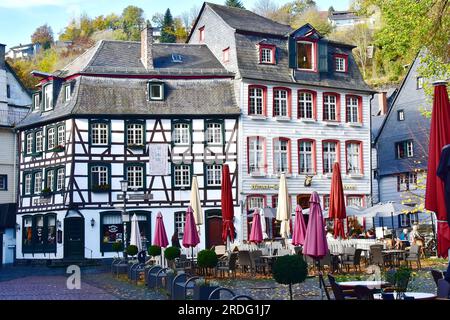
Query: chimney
382, 100
147, 46
2, 56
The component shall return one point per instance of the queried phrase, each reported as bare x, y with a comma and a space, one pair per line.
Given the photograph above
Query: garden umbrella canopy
190, 236
227, 205
195, 203
283, 208
263, 223
160, 238
337, 202
135, 237
256, 235
435, 190
299, 232
316, 245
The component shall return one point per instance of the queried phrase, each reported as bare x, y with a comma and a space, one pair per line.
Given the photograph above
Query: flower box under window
58, 148
101, 188
46, 192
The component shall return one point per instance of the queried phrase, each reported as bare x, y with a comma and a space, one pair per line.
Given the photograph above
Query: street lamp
124, 188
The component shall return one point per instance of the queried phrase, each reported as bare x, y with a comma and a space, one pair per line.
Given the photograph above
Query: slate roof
112, 57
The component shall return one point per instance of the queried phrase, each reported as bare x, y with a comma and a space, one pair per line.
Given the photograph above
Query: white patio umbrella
135, 237
195, 203
284, 208
263, 224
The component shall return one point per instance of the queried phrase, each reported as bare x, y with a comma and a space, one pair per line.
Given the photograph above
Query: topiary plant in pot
171, 253
154, 251
207, 259
117, 247
132, 250
290, 270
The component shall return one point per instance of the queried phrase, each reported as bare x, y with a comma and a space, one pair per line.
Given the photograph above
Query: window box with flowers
101, 187
58, 148
46, 192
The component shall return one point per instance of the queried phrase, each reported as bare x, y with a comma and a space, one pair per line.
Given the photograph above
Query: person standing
175, 240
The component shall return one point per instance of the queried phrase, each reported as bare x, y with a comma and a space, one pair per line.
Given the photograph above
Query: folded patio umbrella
316, 245
299, 232
256, 235
337, 202
135, 236
435, 190
227, 205
283, 208
196, 204
190, 236
262, 215
160, 238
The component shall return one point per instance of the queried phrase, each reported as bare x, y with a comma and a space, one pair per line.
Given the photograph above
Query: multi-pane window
29, 143
266, 55
201, 34
99, 133
352, 109
305, 55
305, 105
256, 101
39, 141
340, 64
355, 201
281, 155
3, 182
214, 133
329, 156
48, 97
256, 156
181, 134
182, 175
27, 183
50, 180
180, 219
404, 221
419, 83
354, 158
135, 134
214, 175
255, 202
406, 181
60, 179
99, 176
135, 177
36, 102
404, 149
67, 93
305, 151
401, 115
37, 182
51, 139
329, 107
280, 103
156, 91
61, 136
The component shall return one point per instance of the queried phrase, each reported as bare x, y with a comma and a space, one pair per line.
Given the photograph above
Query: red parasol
337, 202
227, 205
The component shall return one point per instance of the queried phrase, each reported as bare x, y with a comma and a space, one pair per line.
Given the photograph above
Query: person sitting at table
402, 240
370, 234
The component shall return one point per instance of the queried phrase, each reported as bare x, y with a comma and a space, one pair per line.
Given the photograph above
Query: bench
181, 284
154, 276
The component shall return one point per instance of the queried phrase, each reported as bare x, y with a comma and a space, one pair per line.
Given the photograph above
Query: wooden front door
214, 228
74, 238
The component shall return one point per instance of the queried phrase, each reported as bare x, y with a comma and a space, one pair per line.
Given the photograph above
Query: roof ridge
81, 55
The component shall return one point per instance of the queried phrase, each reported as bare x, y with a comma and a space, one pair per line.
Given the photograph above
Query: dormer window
267, 54
67, 92
48, 97
306, 55
341, 62
156, 91
226, 55
36, 102
201, 34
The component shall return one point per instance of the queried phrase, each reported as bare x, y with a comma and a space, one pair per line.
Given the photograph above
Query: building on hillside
304, 105
24, 51
15, 101
346, 19
152, 114
402, 142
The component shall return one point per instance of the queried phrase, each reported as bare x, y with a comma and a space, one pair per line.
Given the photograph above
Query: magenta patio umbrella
298, 236
190, 236
256, 235
316, 245
160, 238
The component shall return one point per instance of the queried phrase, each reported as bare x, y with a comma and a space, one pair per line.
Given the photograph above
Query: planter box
203, 292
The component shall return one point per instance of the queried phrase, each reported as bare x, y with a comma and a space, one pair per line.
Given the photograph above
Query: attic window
48, 97
341, 62
306, 55
267, 54
156, 91
201, 34
67, 93
178, 58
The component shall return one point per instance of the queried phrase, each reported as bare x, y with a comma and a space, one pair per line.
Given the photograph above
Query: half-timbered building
304, 106
152, 114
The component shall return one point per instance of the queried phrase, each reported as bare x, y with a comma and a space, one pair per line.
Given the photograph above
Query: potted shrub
132, 250
46, 192
117, 247
290, 270
203, 289
154, 251
207, 259
171, 253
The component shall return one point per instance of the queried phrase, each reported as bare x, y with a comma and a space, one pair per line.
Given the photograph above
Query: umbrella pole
320, 278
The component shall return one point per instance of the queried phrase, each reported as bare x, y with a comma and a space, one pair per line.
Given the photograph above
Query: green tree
168, 29
235, 4
43, 35
181, 33
71, 32
132, 19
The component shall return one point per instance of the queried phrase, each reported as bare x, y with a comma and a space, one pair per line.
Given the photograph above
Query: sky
19, 18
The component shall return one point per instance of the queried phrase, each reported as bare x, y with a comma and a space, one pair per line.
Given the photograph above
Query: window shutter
323, 56
292, 53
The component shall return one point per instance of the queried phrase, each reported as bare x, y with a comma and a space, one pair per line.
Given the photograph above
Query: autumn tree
312, 16
168, 29
132, 19
235, 4
265, 8
43, 35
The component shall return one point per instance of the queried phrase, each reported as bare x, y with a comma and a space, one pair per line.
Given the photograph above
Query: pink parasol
256, 235
298, 237
315, 242
160, 238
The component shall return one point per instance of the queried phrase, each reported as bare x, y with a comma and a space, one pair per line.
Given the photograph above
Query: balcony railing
11, 118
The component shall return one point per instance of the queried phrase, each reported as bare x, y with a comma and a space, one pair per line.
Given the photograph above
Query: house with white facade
304, 106
15, 101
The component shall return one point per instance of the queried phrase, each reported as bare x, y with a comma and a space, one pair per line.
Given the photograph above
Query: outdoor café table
395, 254
415, 295
368, 284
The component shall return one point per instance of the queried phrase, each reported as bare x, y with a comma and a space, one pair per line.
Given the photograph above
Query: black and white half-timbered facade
152, 114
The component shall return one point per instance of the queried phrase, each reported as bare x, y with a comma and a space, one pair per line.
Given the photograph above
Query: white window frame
29, 143
306, 165
340, 64
256, 155
3, 182
50, 179
256, 101
135, 177
61, 135
306, 105
214, 175
330, 107
280, 103
60, 179
99, 134
404, 220
161, 91
39, 141
355, 200
51, 138
67, 92
352, 109
353, 158
401, 115
180, 220
255, 202
181, 134
313, 56
182, 176
48, 97
214, 133
36, 102
281, 156
135, 134
102, 175
27, 180
329, 157
267, 55
409, 151
37, 182
226, 55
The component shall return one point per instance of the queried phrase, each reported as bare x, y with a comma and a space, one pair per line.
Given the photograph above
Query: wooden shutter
292, 47
323, 56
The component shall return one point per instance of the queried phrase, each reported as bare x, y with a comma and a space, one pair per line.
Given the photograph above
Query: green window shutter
323, 56
292, 53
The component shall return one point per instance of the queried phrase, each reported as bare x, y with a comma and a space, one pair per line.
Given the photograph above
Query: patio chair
363, 293
215, 294
228, 265
298, 250
443, 289
220, 250
437, 275
355, 262
338, 292
244, 260
376, 256
413, 256
178, 291
257, 263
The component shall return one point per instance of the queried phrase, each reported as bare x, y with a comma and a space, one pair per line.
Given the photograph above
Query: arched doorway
213, 228
74, 235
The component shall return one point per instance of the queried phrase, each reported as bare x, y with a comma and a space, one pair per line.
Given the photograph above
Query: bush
117, 247
154, 251
290, 270
132, 250
171, 253
207, 259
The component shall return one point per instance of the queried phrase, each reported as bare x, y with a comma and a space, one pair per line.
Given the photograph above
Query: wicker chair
355, 262
413, 256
